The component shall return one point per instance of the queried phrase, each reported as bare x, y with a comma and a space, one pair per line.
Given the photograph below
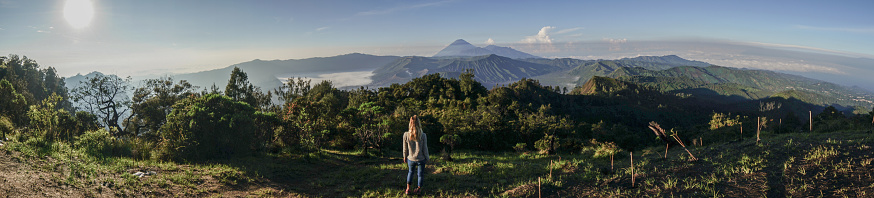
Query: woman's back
416, 150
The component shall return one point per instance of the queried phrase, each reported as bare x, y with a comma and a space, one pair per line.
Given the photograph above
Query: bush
544, 143
207, 127
101, 143
140, 148
520, 147
6, 127
602, 149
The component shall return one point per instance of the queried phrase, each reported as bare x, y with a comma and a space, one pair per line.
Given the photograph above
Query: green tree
240, 89
293, 89
31, 81
153, 102
12, 103
208, 127
373, 126
44, 118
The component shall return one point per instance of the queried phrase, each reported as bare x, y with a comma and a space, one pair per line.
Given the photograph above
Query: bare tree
106, 97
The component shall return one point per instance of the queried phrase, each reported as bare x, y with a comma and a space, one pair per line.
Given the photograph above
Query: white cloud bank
541, 42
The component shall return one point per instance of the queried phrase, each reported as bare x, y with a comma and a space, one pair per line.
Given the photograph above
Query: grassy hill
724, 84
784, 165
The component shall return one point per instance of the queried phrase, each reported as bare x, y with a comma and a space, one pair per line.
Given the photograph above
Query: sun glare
78, 13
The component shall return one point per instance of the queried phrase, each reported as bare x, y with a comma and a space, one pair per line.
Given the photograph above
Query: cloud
541, 42
490, 41
564, 31
615, 41
400, 8
837, 29
322, 29
541, 37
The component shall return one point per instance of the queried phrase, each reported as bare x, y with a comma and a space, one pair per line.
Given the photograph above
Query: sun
78, 13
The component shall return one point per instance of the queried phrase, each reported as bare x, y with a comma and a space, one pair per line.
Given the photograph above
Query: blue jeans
420, 169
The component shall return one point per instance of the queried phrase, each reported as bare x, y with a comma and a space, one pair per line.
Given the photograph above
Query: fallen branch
677, 137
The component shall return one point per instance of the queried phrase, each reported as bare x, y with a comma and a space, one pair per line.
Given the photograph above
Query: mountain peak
460, 42
461, 47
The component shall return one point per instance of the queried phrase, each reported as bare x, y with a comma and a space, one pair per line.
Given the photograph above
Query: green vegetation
323, 141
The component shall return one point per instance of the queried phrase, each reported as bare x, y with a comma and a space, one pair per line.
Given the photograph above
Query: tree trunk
551, 144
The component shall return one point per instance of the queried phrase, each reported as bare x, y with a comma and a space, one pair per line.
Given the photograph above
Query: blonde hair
415, 128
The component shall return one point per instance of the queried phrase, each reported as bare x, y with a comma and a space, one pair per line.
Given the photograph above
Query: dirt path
20, 178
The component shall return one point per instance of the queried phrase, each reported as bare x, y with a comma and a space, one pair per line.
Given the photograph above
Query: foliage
720, 120
545, 144
32, 82
12, 103
153, 102
520, 147
53, 124
240, 89
449, 139
207, 127
101, 143
603, 149
6, 126
373, 128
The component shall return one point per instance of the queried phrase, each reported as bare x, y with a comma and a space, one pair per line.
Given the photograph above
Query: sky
130, 37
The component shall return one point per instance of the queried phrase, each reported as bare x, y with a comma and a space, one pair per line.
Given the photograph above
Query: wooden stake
741, 130
810, 114
666, 150
538, 188
758, 128
611, 162
632, 168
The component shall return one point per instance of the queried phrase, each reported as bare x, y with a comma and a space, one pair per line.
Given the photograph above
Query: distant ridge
461, 47
488, 69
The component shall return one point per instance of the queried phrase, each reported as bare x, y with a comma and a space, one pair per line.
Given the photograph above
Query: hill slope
747, 84
488, 69
264, 73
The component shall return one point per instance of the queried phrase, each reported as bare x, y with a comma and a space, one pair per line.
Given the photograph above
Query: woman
415, 153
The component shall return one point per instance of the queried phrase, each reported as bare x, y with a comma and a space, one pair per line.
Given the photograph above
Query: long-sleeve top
416, 150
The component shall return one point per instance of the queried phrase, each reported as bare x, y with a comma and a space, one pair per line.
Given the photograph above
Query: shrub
6, 127
101, 143
207, 127
520, 147
544, 143
602, 149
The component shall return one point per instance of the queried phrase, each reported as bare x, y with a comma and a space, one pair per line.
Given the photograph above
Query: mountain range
670, 73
